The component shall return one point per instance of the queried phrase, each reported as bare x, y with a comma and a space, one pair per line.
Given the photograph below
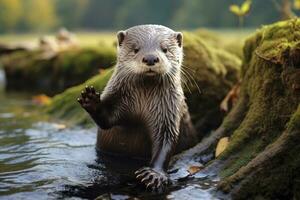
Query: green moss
241, 158
270, 76
267, 93
294, 123
273, 173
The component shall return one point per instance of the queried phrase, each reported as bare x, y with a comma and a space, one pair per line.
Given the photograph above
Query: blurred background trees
10, 13
39, 15
46, 15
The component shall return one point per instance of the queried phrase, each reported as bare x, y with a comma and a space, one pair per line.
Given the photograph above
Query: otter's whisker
184, 82
191, 77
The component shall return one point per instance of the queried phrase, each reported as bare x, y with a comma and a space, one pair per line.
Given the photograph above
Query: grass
102, 37
89, 39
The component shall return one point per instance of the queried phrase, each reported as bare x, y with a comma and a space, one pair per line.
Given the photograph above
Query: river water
42, 160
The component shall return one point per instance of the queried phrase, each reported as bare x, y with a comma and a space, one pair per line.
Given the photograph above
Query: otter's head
150, 50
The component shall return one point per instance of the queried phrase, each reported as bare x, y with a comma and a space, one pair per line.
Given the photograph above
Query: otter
142, 110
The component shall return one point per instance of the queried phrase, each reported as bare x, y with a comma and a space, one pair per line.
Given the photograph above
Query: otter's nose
150, 60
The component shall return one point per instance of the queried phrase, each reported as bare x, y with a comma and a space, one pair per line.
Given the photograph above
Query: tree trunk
265, 140
286, 10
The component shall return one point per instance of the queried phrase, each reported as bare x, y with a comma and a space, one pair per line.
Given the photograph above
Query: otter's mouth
150, 72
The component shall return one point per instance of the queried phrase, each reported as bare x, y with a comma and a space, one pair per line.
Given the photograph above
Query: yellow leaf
231, 98
101, 70
297, 4
222, 144
245, 8
235, 9
194, 169
41, 99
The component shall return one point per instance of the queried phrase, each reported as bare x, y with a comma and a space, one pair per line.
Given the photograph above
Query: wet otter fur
142, 111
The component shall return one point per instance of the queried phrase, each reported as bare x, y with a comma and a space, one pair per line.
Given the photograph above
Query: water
42, 160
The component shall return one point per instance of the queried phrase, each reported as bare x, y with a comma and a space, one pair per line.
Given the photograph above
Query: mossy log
262, 160
6, 49
208, 69
31, 71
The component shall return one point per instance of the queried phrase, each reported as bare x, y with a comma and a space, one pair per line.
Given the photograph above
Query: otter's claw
153, 179
89, 99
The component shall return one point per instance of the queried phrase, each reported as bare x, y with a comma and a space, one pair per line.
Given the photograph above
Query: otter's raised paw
89, 99
153, 179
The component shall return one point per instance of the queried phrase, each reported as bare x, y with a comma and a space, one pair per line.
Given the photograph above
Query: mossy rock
30, 71
210, 73
65, 106
262, 160
211, 69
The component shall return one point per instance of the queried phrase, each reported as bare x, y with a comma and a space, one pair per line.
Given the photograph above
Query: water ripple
41, 160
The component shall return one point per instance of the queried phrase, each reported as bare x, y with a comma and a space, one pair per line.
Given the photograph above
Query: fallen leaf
101, 70
231, 98
60, 126
295, 86
41, 99
222, 144
194, 169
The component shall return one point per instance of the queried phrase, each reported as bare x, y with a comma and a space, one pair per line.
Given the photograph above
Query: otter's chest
150, 103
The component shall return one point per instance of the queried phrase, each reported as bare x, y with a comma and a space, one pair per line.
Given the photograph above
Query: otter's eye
136, 50
165, 50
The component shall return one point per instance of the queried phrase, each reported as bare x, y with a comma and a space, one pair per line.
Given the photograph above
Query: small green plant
241, 11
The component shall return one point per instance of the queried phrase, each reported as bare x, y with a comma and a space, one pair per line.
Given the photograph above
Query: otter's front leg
100, 111
155, 176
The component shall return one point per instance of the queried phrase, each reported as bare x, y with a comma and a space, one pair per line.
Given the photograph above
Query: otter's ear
121, 37
179, 37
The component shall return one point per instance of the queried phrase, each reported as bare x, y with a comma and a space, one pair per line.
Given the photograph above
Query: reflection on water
40, 160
